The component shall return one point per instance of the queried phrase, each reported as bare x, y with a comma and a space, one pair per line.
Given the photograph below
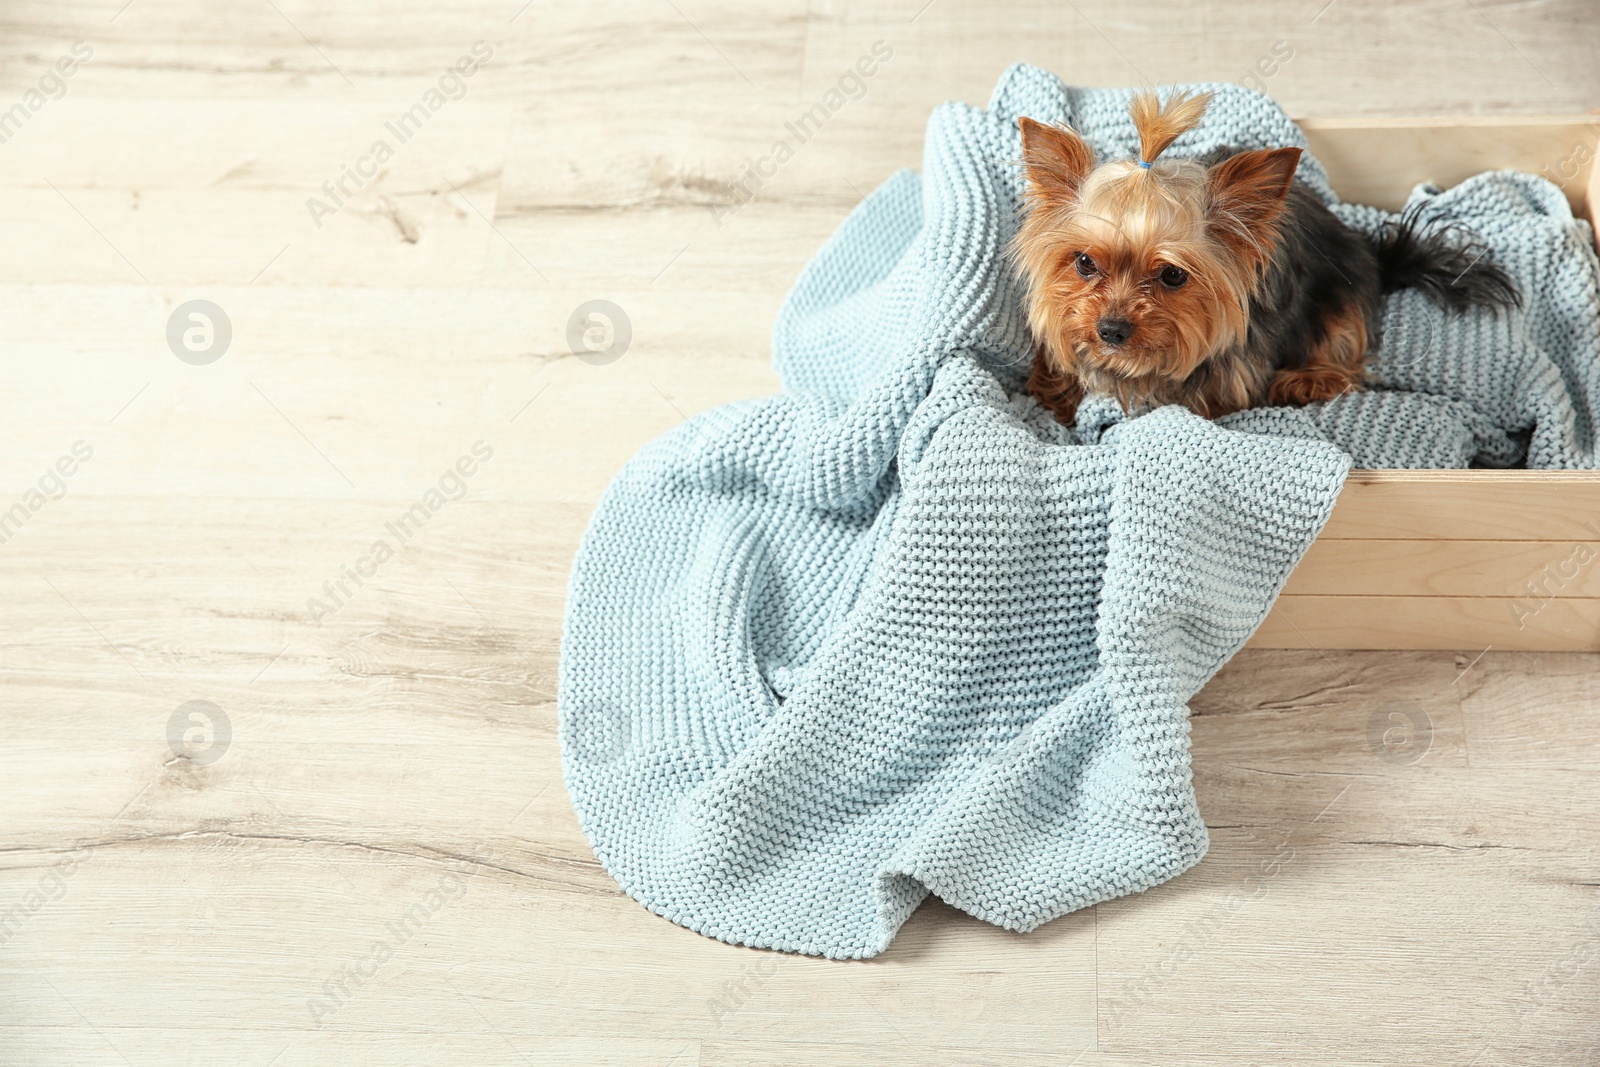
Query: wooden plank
1311, 713
310, 899
388, 385
612, 56
288, 208
1242, 934
1470, 505
1535, 570
242, 236
202, 1046
753, 255
1532, 710
1593, 207
1419, 622
281, 144
1378, 161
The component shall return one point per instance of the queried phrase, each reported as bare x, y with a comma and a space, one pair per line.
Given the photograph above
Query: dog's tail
1452, 275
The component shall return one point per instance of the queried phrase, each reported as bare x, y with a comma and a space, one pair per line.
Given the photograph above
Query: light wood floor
1429, 821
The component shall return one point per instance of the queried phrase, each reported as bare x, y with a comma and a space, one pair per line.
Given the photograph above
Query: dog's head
1142, 270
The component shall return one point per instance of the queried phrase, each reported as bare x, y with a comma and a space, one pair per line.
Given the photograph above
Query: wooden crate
1451, 559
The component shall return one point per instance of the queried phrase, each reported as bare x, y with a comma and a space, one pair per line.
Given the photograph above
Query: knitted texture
895, 631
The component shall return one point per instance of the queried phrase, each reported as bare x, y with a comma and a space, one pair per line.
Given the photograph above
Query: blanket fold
894, 631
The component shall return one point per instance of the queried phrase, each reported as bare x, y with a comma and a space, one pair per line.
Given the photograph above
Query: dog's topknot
1159, 125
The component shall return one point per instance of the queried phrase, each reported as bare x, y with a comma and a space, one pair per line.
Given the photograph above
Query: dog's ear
1057, 160
1247, 193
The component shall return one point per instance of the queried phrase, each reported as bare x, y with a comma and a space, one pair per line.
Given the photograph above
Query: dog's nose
1114, 331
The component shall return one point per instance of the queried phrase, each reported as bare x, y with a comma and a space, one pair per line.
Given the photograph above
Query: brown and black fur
1279, 302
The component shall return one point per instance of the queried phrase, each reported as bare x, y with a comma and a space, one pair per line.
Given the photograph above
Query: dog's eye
1086, 265
1173, 277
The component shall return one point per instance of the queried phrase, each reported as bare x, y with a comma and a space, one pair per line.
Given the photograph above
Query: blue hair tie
1144, 164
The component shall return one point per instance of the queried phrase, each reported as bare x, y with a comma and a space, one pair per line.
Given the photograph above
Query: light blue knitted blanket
896, 632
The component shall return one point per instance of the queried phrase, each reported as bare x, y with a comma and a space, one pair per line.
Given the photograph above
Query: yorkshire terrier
1219, 283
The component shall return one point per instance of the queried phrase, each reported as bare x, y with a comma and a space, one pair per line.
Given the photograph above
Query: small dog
1218, 283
